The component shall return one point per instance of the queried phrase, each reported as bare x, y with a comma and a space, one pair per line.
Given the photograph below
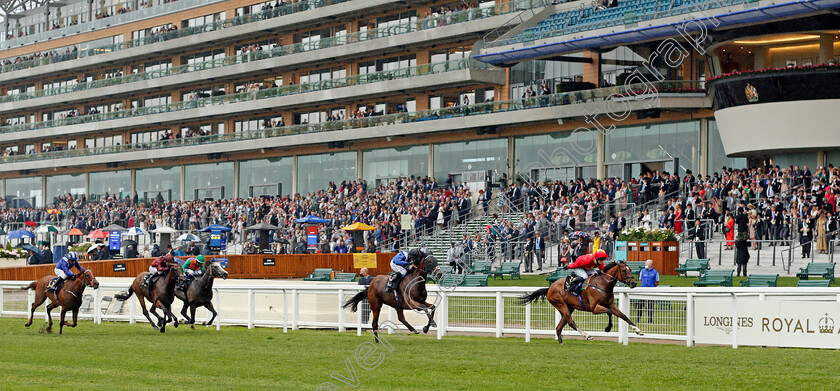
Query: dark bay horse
412, 296
161, 295
596, 297
200, 293
69, 297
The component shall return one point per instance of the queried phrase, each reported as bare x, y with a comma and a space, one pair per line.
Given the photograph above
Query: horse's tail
355, 300
31, 285
535, 295
122, 296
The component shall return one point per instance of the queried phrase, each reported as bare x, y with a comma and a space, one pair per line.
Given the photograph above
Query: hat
200, 259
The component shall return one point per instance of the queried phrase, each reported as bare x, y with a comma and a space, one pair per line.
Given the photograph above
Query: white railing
661, 313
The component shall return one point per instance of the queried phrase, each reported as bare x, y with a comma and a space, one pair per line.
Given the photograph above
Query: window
257, 124
147, 137
450, 54
387, 64
396, 19
163, 99
322, 74
203, 56
202, 20
106, 141
20, 89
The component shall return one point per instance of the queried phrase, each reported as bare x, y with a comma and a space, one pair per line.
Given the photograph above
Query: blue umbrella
21, 234
312, 220
214, 227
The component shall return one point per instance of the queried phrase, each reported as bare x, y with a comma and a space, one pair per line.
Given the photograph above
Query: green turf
133, 357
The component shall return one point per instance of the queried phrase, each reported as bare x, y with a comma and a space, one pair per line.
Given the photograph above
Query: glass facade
796, 159
60, 185
158, 183
112, 182
716, 156
832, 157
211, 180
24, 192
656, 143
317, 171
554, 156
470, 156
382, 164
265, 177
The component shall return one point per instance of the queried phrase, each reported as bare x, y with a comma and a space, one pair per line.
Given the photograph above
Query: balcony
234, 28
777, 109
678, 95
450, 73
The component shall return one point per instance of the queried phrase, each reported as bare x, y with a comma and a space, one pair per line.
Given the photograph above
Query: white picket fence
661, 313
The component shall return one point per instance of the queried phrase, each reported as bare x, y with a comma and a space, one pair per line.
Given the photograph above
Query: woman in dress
822, 240
730, 231
678, 223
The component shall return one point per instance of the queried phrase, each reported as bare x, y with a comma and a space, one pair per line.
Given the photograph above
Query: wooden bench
715, 277
558, 274
818, 269
509, 268
761, 280
814, 283
482, 267
319, 275
344, 277
475, 280
692, 265
636, 267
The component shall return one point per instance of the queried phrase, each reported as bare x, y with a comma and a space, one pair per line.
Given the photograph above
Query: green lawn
534, 280
133, 357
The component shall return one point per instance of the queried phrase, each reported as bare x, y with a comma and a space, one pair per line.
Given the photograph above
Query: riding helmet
199, 259
72, 255
600, 254
415, 253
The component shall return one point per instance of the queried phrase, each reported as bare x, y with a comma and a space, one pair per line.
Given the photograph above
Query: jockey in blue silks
62, 270
401, 264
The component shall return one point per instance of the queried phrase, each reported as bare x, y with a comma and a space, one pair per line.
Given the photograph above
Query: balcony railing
407, 27
559, 99
401, 73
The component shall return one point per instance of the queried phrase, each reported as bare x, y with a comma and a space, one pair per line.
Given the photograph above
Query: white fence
692, 315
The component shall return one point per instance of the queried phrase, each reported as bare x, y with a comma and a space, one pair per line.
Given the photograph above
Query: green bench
482, 267
814, 283
319, 275
475, 280
445, 269
507, 268
558, 274
715, 277
344, 277
819, 269
692, 265
636, 267
761, 280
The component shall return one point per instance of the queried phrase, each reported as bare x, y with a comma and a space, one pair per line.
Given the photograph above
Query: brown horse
69, 297
596, 297
161, 295
200, 293
411, 291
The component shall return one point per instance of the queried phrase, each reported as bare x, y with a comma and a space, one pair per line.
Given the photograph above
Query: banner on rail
804, 324
364, 260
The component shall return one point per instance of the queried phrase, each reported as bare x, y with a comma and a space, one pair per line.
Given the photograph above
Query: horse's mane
609, 266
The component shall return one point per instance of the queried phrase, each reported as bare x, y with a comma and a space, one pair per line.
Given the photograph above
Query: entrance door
266, 189
211, 193
166, 195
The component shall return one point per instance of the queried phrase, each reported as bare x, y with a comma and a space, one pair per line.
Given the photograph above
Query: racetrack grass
682, 281
119, 356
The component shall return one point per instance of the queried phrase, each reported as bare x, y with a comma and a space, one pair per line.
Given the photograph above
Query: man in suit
539, 249
365, 279
529, 255
699, 238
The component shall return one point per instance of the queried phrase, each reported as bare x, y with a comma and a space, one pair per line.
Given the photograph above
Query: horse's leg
568, 315
62, 322
49, 316
192, 316
559, 329
172, 316
75, 317
375, 307
212, 310
40, 298
401, 317
615, 311
430, 312
146, 312
609, 323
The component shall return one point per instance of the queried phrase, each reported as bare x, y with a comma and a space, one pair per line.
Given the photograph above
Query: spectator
648, 278
46, 254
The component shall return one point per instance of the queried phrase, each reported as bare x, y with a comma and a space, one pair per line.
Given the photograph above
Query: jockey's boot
53, 284
393, 282
147, 283
571, 282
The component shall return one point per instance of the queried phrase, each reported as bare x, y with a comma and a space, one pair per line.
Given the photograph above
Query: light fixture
388, 138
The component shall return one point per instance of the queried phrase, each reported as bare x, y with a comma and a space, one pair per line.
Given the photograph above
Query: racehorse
596, 297
200, 293
161, 295
69, 297
410, 295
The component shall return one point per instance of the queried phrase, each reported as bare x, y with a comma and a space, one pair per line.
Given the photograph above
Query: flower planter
665, 255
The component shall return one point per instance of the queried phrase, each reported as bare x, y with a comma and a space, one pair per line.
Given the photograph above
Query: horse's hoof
415, 332
192, 327
204, 324
432, 324
589, 338
176, 324
27, 324
607, 329
49, 330
162, 330
425, 329
156, 328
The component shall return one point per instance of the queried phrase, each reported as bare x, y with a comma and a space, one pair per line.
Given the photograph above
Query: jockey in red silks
159, 265
584, 266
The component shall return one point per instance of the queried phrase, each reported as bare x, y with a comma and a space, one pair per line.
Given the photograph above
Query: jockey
159, 265
584, 266
401, 264
194, 267
62, 270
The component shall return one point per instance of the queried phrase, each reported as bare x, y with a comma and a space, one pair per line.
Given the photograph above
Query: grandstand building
194, 99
